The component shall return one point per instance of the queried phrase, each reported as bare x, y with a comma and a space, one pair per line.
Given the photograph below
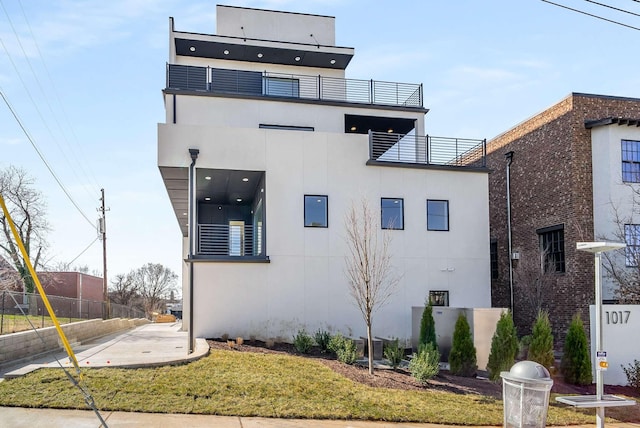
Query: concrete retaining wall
25, 344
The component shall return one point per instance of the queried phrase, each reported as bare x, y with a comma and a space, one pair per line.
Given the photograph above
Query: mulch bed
401, 378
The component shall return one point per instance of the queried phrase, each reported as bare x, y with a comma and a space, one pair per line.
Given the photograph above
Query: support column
192, 239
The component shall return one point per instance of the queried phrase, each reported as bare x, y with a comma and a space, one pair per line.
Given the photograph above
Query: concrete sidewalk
144, 346
28, 418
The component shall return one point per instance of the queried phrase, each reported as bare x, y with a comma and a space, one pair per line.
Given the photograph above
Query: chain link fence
23, 311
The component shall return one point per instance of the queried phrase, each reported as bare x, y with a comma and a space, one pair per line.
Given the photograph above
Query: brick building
563, 162
83, 292
76, 285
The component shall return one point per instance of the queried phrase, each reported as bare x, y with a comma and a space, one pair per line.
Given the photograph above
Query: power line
36, 78
592, 15
57, 97
84, 251
613, 7
44, 160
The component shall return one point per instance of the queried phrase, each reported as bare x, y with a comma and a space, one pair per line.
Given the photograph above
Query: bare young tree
123, 290
154, 282
27, 209
368, 266
625, 271
534, 283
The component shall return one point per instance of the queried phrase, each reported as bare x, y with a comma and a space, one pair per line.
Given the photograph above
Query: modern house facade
265, 148
561, 176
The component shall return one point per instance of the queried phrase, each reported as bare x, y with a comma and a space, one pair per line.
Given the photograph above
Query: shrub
633, 374
576, 362
425, 364
322, 338
523, 347
427, 327
462, 358
541, 346
302, 342
504, 346
344, 348
394, 353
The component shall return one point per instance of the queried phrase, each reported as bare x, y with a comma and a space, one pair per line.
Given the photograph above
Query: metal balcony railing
228, 240
427, 150
255, 83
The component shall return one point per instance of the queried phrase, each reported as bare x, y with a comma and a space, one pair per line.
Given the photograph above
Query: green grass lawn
267, 385
16, 323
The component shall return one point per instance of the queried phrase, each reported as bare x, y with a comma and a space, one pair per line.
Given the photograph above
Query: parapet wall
31, 343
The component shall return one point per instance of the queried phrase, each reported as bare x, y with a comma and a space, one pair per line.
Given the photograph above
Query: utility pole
102, 230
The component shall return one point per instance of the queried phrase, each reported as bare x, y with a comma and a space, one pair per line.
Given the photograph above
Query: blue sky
100, 66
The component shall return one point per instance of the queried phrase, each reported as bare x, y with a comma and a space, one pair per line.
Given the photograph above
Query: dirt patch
401, 378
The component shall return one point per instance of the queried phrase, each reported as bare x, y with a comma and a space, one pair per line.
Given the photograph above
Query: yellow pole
45, 300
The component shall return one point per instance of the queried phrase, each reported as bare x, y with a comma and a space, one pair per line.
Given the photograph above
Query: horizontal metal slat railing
299, 86
427, 150
225, 240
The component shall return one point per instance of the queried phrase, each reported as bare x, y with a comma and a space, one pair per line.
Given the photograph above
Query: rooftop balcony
427, 150
294, 86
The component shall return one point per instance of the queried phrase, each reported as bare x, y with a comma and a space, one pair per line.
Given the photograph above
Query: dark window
632, 238
439, 298
437, 215
552, 248
315, 211
392, 213
630, 161
493, 256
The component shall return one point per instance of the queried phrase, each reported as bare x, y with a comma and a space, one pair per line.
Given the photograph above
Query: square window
552, 248
630, 161
632, 239
392, 213
437, 215
315, 211
439, 298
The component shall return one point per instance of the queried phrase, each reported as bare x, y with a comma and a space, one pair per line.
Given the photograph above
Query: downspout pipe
192, 228
509, 157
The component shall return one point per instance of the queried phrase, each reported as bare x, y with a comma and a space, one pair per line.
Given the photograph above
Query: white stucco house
267, 144
615, 145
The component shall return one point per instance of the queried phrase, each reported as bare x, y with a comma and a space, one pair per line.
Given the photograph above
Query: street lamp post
597, 248
600, 400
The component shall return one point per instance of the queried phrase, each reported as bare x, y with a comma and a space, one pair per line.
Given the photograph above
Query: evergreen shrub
302, 342
633, 374
504, 346
394, 353
425, 364
462, 358
541, 346
575, 365
322, 338
427, 327
344, 348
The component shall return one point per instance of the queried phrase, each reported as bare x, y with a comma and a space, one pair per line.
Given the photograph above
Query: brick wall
551, 184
